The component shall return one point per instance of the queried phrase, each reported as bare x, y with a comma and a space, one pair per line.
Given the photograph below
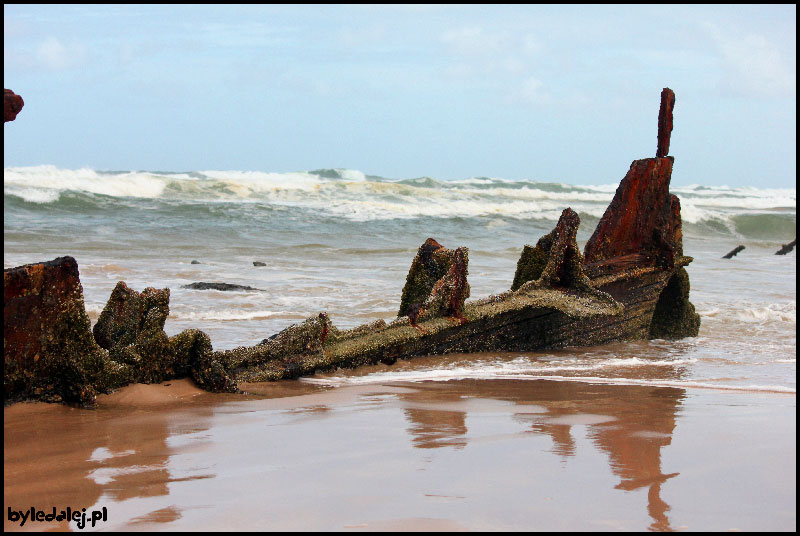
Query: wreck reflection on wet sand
461, 454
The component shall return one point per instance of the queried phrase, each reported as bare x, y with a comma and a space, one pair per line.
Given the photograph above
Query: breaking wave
755, 314
356, 196
448, 375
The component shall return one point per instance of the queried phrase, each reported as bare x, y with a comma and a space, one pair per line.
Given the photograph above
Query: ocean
342, 241
693, 434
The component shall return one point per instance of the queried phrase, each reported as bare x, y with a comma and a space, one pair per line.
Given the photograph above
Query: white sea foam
227, 315
52, 179
780, 312
445, 375
247, 183
353, 175
352, 195
754, 313
33, 195
518, 368
742, 197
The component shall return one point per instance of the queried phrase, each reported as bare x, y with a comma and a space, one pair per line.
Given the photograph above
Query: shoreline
455, 455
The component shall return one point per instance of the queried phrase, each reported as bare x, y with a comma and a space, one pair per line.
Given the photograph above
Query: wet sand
457, 455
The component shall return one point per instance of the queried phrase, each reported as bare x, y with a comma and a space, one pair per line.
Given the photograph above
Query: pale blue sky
550, 93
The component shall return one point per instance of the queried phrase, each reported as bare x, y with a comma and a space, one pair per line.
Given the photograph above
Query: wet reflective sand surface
452, 455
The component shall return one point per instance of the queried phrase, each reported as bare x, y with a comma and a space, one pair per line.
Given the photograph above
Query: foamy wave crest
688, 384
753, 313
744, 197
247, 184
353, 195
748, 212
227, 315
33, 195
442, 376
780, 312
43, 184
520, 368
93, 310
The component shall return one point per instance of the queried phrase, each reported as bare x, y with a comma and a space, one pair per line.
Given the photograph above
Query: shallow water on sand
747, 305
456, 455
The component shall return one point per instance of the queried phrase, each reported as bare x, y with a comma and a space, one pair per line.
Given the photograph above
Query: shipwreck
629, 283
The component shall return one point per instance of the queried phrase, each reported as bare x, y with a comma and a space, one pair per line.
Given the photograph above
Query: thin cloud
753, 65
533, 90
56, 55
505, 60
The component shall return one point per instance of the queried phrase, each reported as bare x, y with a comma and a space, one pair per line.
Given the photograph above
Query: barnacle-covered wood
451, 291
556, 260
118, 323
295, 351
431, 263
49, 353
674, 316
131, 327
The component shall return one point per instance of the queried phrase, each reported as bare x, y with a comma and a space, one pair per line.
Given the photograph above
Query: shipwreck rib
630, 283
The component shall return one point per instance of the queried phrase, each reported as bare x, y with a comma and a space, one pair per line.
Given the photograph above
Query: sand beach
442, 456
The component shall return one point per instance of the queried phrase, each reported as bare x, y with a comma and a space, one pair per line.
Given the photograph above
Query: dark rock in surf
259, 263
219, 286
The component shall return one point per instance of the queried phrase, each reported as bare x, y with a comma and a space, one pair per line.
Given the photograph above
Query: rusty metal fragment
665, 121
642, 219
12, 105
